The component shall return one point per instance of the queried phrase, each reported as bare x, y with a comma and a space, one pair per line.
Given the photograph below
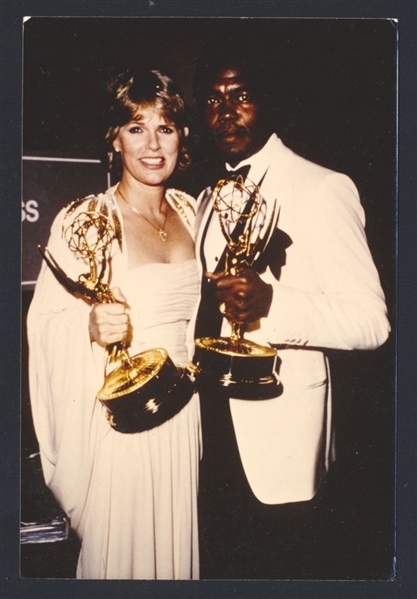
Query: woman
131, 498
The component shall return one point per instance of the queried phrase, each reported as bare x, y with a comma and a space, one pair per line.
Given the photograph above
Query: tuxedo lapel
203, 213
275, 185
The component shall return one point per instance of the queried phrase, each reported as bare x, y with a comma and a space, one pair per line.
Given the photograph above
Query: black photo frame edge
404, 585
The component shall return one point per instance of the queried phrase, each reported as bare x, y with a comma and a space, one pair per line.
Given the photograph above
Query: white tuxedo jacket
328, 296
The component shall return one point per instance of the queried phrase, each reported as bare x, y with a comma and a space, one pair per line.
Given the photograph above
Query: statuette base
145, 393
246, 369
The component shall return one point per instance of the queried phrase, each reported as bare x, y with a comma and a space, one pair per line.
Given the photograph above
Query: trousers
240, 537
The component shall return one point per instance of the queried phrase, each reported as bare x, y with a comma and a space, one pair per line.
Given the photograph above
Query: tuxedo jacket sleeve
339, 303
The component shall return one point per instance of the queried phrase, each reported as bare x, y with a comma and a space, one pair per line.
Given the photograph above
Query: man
264, 461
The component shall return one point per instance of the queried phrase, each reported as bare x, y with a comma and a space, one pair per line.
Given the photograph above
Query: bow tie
232, 175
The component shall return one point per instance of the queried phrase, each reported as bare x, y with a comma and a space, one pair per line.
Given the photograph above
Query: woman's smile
152, 162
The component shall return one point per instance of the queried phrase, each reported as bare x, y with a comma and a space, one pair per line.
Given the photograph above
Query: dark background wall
337, 79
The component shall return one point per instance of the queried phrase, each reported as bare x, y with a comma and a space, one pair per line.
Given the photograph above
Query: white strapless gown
140, 519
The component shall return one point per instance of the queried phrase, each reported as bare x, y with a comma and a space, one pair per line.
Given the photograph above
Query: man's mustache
229, 129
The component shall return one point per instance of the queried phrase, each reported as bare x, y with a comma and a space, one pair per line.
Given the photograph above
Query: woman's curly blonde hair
133, 91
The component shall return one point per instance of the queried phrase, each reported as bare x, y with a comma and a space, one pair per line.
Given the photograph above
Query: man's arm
348, 309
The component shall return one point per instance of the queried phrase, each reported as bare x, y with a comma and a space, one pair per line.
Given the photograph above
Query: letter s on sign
30, 211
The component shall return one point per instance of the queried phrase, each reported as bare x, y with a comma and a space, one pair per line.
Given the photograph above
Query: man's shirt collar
259, 161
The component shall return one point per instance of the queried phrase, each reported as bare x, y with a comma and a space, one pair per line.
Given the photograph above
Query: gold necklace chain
161, 230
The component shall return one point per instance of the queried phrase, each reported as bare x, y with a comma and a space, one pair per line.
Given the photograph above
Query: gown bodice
161, 299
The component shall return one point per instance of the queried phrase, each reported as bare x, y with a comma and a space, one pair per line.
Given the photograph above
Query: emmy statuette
147, 389
246, 368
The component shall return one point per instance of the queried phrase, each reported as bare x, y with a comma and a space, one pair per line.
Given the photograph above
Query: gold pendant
162, 235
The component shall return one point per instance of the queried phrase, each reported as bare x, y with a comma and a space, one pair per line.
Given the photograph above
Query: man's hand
245, 296
109, 323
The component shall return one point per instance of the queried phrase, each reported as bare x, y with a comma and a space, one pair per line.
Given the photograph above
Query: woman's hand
109, 323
